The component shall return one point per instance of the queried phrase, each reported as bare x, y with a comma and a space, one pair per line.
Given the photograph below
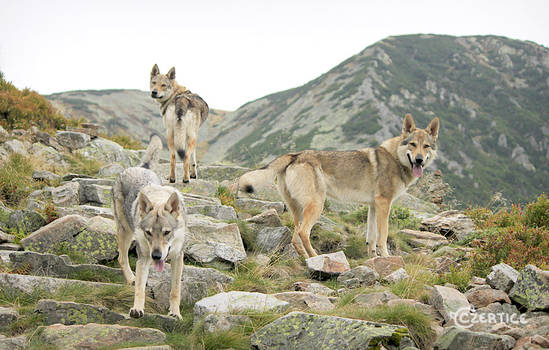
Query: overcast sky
229, 52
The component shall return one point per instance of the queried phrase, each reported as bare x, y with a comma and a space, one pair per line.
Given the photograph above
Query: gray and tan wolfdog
155, 216
182, 112
375, 176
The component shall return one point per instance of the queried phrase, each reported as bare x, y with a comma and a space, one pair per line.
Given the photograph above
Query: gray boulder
236, 302
426, 239
298, 330
502, 277
358, 277
223, 322
7, 316
110, 170
249, 204
209, 240
43, 175
14, 343
396, 276
374, 299
73, 140
109, 152
532, 289
454, 338
14, 283
66, 195
87, 211
48, 237
327, 265
25, 220
312, 287
219, 212
448, 301
451, 223
15, 146
384, 266
272, 239
306, 300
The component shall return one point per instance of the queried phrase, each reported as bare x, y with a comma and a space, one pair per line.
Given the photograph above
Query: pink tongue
417, 170
159, 265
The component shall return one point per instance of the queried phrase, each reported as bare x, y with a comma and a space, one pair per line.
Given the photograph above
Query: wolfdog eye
413, 144
166, 233
426, 146
163, 85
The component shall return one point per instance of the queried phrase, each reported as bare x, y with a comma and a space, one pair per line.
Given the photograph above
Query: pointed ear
171, 73
432, 128
144, 205
173, 205
409, 125
155, 71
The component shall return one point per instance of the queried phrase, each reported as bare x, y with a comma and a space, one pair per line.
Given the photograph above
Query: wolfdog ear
409, 125
155, 71
171, 73
432, 128
144, 205
173, 205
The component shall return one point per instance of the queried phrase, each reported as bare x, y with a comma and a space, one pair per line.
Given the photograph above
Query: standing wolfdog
372, 175
153, 215
182, 112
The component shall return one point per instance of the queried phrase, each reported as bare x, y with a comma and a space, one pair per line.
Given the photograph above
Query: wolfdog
182, 112
155, 216
375, 176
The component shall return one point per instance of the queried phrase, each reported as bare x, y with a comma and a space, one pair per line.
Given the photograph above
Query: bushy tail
251, 180
152, 154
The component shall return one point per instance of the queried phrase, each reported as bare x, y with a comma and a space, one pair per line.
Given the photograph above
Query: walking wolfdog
372, 175
182, 112
153, 215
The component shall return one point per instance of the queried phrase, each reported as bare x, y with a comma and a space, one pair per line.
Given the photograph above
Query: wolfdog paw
135, 313
193, 176
185, 181
178, 315
172, 180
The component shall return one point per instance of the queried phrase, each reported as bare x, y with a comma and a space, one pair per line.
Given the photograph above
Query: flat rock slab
312, 287
299, 330
236, 301
455, 338
384, 266
481, 296
249, 204
306, 300
95, 336
374, 299
424, 238
327, 265
69, 313
532, 289
219, 212
358, 277
49, 236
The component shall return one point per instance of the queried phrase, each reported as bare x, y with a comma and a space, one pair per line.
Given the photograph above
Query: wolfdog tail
249, 181
152, 154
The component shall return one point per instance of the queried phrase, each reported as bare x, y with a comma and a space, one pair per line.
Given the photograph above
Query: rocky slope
243, 285
491, 94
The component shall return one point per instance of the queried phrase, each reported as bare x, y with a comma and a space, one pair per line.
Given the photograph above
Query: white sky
229, 52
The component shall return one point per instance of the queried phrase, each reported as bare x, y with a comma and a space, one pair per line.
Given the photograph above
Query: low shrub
16, 181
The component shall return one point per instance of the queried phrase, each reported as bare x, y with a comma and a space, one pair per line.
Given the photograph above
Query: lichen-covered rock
208, 240
327, 265
95, 336
95, 194
315, 288
69, 313
223, 322
384, 266
455, 338
219, 212
249, 204
299, 330
73, 140
532, 289
25, 221
502, 277
47, 238
448, 301
236, 302
7, 316
451, 223
358, 277
47, 153
306, 300
109, 152
97, 242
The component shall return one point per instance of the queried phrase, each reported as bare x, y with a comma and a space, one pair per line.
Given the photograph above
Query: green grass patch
225, 196
16, 181
80, 164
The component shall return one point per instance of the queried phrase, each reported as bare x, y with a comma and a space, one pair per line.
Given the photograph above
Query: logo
467, 317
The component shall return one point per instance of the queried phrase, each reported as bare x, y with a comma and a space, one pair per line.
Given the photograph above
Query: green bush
16, 181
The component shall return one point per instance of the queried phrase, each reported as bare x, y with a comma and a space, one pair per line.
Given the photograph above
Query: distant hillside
132, 112
491, 93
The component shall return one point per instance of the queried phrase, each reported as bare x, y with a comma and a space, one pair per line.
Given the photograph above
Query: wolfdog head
418, 147
162, 85
158, 222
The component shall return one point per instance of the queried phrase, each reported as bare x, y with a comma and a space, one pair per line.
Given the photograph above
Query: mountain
131, 112
491, 94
